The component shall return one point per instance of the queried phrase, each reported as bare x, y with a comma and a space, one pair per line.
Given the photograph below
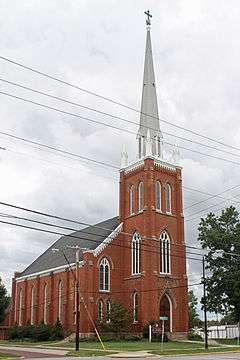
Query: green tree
220, 235
193, 316
4, 300
120, 319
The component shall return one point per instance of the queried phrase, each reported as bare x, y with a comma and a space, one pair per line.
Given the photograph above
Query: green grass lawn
85, 353
227, 341
7, 355
132, 345
194, 351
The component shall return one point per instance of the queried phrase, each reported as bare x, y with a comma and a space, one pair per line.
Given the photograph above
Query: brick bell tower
153, 261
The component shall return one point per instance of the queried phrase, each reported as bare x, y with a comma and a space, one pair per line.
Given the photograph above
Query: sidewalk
43, 351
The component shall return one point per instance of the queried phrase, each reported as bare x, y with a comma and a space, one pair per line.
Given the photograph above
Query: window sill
135, 276
135, 322
104, 291
163, 275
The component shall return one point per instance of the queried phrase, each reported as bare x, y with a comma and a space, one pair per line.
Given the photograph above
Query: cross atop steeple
148, 22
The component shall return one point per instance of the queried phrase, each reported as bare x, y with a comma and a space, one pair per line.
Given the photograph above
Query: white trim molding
107, 240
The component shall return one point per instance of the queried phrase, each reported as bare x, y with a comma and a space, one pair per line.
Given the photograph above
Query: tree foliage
193, 316
4, 300
220, 235
120, 319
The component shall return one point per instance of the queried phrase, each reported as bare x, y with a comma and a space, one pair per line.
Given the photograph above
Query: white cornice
46, 272
107, 241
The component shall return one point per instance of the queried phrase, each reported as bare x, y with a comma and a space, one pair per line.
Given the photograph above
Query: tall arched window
158, 197
140, 196
32, 316
135, 306
20, 307
131, 200
45, 303
104, 275
100, 310
60, 302
168, 199
165, 259
108, 310
136, 253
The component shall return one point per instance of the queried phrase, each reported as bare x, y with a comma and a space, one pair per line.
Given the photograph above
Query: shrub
193, 336
14, 332
57, 331
43, 332
27, 331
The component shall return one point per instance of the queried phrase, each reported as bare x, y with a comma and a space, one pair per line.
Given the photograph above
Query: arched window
140, 196
20, 307
108, 310
168, 199
60, 302
131, 199
135, 306
165, 265
100, 310
158, 197
32, 316
104, 275
136, 253
45, 303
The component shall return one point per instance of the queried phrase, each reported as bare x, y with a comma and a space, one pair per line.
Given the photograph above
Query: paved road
226, 356
31, 353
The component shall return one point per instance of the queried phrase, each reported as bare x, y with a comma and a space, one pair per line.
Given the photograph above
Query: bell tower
150, 208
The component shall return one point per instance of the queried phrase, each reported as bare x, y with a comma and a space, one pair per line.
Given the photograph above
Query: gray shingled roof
89, 237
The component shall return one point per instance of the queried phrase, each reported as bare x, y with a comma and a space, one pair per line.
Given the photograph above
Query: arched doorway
165, 309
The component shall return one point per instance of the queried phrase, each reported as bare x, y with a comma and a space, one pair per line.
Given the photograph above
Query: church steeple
149, 121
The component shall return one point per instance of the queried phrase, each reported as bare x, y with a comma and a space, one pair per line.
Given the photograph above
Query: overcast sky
99, 46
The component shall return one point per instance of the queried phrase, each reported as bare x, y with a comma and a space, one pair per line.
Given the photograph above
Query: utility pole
205, 303
76, 277
77, 299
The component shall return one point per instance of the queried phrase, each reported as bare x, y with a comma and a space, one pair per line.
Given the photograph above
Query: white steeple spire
149, 109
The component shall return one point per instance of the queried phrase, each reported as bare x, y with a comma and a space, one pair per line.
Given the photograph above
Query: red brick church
137, 257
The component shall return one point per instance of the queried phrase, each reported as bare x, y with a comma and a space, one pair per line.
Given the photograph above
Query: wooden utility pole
77, 299
205, 304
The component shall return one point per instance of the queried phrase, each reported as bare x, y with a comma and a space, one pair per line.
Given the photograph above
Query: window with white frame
165, 256
60, 300
45, 303
104, 275
168, 199
32, 315
140, 196
158, 197
136, 253
108, 310
100, 310
135, 306
20, 307
131, 200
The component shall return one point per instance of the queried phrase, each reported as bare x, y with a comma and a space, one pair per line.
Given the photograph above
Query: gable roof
90, 237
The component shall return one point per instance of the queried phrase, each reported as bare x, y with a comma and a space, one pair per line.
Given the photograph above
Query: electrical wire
113, 101
111, 126
113, 116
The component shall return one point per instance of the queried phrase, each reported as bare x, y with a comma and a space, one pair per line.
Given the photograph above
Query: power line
82, 223
91, 240
61, 151
111, 126
216, 195
112, 116
113, 101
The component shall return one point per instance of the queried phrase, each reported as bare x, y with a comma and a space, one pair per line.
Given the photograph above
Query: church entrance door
165, 310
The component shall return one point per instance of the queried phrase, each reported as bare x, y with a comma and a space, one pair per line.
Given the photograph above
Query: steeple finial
149, 16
